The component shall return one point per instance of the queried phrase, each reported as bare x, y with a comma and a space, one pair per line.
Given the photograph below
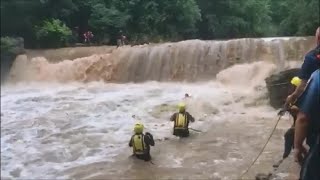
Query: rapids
72, 118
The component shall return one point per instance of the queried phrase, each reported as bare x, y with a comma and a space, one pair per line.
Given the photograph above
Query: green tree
105, 21
53, 33
18, 18
155, 19
232, 18
302, 19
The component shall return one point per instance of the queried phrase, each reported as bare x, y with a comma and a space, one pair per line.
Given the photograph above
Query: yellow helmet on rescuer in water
138, 128
182, 106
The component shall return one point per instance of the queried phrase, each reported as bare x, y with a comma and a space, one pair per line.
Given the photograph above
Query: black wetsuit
148, 140
182, 132
289, 137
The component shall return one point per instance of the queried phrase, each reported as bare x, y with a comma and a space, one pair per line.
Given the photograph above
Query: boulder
287, 170
279, 86
10, 48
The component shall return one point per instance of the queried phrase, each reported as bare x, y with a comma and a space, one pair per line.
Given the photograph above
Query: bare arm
300, 130
299, 136
299, 90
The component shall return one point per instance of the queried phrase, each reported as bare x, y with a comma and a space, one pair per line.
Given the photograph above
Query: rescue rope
195, 130
278, 84
262, 148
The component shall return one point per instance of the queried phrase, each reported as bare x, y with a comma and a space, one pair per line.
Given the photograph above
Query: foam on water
48, 128
268, 39
190, 60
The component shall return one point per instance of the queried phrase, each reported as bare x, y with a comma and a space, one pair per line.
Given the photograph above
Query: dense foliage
53, 23
52, 32
11, 45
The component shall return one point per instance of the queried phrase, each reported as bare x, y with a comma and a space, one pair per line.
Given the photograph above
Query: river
73, 118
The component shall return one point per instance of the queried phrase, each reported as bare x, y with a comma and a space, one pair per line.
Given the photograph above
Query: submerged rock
278, 86
262, 176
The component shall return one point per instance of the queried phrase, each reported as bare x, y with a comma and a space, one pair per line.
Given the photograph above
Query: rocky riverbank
284, 170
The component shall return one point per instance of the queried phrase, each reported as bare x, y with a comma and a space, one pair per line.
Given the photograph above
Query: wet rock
262, 176
277, 164
285, 169
278, 86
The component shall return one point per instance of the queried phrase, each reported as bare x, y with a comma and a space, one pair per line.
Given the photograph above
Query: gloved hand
282, 112
148, 134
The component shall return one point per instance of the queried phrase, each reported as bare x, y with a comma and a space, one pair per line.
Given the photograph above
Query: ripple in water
82, 130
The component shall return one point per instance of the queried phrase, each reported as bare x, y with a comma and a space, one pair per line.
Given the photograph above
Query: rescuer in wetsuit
181, 121
141, 143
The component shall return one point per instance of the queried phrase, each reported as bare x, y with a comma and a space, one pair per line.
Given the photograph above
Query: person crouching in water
293, 110
181, 121
141, 143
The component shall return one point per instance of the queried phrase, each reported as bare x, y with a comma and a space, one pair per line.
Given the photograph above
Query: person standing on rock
310, 64
293, 110
308, 127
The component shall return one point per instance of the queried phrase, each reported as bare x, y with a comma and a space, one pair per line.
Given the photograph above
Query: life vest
181, 121
139, 146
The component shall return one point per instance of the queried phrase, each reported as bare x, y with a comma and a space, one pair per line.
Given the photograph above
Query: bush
53, 33
11, 45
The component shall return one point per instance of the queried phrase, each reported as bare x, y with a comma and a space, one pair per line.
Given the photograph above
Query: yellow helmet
182, 106
296, 81
138, 128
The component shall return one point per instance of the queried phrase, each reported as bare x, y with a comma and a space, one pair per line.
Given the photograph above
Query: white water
78, 130
48, 129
